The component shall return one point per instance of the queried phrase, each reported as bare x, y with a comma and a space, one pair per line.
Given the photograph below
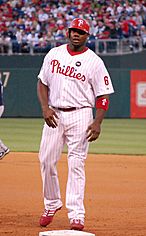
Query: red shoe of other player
77, 225
47, 217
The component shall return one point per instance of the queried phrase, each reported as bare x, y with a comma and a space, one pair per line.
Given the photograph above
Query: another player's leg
50, 152
77, 152
4, 150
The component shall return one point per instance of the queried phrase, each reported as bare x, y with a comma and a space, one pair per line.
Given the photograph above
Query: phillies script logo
67, 71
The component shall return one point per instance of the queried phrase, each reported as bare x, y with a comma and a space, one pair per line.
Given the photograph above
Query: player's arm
48, 114
94, 129
42, 91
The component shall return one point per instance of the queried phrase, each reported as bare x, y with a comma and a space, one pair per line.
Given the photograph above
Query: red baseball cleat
77, 225
47, 217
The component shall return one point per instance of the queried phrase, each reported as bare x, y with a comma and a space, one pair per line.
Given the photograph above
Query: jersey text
67, 71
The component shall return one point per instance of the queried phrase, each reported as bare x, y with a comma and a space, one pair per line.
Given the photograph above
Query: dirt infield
115, 197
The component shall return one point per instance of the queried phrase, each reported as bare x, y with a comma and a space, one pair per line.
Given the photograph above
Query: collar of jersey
72, 53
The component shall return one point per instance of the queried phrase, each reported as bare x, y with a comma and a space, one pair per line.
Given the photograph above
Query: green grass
121, 136
118, 136
21, 134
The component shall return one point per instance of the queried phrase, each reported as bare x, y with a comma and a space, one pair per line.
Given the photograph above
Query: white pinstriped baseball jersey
74, 80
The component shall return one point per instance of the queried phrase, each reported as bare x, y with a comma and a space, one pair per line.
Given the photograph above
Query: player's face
78, 37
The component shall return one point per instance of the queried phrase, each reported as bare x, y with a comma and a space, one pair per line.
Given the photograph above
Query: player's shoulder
58, 48
54, 50
94, 56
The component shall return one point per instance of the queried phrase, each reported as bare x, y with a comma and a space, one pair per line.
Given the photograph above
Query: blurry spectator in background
125, 27
42, 18
132, 25
60, 33
118, 26
113, 34
5, 43
143, 35
33, 40
104, 32
99, 29
23, 42
45, 41
138, 19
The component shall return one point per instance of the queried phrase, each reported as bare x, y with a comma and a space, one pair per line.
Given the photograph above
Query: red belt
68, 109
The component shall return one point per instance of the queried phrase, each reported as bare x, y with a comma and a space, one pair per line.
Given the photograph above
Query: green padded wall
20, 93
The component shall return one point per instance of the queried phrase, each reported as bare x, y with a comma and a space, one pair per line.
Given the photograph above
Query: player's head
78, 32
80, 24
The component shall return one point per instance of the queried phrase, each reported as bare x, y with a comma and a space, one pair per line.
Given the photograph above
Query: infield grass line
118, 136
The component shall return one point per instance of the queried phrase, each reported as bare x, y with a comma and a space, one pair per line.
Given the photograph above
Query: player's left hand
93, 131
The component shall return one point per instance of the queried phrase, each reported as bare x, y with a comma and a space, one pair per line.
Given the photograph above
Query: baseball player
3, 149
72, 80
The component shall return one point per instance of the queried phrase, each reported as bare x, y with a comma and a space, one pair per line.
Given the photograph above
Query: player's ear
88, 37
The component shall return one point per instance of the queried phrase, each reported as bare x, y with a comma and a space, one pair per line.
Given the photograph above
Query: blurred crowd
37, 23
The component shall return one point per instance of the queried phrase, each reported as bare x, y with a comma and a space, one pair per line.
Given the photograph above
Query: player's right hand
50, 117
93, 131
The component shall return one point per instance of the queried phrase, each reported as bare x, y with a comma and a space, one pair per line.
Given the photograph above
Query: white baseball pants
71, 130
